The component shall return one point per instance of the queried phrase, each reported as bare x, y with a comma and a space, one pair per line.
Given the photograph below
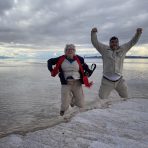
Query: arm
133, 41
99, 46
87, 71
52, 62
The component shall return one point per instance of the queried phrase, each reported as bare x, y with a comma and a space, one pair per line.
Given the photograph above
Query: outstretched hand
139, 30
94, 30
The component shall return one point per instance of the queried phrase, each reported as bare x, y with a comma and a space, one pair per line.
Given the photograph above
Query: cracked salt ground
124, 124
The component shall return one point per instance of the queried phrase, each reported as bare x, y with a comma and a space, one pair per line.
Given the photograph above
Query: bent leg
72, 103
65, 97
121, 88
105, 88
78, 95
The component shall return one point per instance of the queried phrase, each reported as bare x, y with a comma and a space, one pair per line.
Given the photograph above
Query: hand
139, 30
87, 74
53, 74
94, 30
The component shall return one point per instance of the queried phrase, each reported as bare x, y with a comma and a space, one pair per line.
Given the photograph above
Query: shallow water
29, 96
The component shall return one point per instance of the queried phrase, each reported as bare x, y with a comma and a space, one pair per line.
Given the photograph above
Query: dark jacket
53, 61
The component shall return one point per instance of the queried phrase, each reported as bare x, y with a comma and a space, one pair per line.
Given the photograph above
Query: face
114, 44
70, 52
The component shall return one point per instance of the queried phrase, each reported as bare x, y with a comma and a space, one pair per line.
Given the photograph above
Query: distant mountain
136, 57
4, 57
127, 57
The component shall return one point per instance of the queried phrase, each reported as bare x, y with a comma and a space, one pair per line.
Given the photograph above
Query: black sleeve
87, 71
52, 62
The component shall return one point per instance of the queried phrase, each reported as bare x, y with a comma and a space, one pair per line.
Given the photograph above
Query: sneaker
72, 105
61, 113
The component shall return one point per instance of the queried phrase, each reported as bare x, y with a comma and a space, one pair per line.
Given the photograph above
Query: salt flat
30, 104
124, 124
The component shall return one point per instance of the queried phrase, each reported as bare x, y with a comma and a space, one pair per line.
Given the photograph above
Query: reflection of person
73, 72
113, 57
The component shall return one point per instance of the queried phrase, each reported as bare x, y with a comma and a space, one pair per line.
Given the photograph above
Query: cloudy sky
29, 27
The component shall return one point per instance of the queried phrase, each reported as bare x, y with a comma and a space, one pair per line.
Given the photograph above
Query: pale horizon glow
32, 53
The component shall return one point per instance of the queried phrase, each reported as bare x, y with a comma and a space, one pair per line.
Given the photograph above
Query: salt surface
124, 124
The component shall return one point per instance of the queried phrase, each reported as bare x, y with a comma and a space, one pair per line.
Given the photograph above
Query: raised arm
133, 41
99, 46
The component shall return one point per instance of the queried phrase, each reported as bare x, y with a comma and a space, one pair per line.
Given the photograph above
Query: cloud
6, 5
48, 24
139, 50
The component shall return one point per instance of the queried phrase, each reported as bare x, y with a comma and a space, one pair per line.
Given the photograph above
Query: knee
124, 95
103, 95
80, 104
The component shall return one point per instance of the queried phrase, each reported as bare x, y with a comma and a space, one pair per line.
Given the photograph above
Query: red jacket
58, 70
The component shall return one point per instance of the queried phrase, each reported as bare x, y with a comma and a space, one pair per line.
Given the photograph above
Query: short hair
68, 46
113, 38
